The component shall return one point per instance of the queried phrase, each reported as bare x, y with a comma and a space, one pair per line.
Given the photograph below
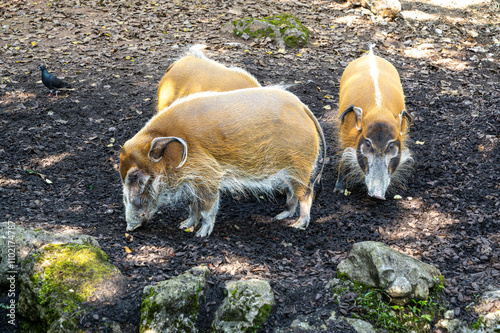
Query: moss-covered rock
246, 307
24, 240
57, 279
401, 276
374, 306
284, 29
173, 305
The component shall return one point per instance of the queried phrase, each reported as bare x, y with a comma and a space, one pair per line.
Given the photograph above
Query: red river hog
373, 126
196, 73
256, 140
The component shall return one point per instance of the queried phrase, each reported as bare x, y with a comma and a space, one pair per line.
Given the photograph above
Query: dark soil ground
115, 53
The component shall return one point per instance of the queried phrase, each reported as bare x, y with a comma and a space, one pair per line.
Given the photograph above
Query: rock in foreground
245, 308
172, 305
403, 277
57, 279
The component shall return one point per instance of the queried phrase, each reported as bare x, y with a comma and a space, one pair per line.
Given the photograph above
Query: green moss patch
283, 28
64, 276
148, 308
374, 305
72, 269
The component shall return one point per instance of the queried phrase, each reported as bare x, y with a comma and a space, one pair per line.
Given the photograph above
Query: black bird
52, 82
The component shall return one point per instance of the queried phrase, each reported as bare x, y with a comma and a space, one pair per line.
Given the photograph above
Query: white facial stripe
374, 75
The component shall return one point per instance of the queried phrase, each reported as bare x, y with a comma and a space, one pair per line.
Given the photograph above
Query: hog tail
371, 46
197, 51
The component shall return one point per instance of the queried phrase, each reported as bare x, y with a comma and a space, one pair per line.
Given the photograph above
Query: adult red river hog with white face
196, 73
250, 140
373, 126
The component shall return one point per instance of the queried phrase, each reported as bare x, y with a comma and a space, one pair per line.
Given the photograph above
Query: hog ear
358, 112
158, 146
404, 116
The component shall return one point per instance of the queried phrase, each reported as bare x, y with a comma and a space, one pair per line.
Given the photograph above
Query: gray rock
172, 305
385, 8
55, 281
401, 276
488, 308
246, 307
313, 322
360, 326
25, 240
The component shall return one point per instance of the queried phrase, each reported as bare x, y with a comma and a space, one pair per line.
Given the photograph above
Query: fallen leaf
127, 249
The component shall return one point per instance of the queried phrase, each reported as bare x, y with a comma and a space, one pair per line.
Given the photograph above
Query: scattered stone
472, 33
488, 309
360, 326
403, 277
453, 326
172, 305
246, 307
384, 8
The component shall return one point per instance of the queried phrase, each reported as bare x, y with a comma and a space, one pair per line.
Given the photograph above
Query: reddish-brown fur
195, 73
246, 140
372, 122
357, 88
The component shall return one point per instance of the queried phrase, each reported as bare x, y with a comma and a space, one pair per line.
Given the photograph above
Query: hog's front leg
194, 215
209, 210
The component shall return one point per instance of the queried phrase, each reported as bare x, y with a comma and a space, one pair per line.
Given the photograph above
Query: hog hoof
283, 215
188, 223
204, 231
301, 224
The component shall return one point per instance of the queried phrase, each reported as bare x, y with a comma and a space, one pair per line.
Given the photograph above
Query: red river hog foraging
373, 126
250, 140
196, 73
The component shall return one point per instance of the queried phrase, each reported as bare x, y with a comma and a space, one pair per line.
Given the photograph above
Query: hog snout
377, 193
134, 215
135, 218
132, 226
377, 179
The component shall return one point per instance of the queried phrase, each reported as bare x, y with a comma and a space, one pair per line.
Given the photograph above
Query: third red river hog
256, 140
196, 73
373, 126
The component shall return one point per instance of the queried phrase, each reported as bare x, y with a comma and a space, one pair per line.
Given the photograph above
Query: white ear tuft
158, 146
358, 112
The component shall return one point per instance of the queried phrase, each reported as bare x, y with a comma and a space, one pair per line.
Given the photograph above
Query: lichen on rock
246, 307
172, 305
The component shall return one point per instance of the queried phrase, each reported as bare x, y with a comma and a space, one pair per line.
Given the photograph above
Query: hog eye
132, 178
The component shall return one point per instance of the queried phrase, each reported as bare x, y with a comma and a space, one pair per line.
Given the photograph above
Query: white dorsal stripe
374, 75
